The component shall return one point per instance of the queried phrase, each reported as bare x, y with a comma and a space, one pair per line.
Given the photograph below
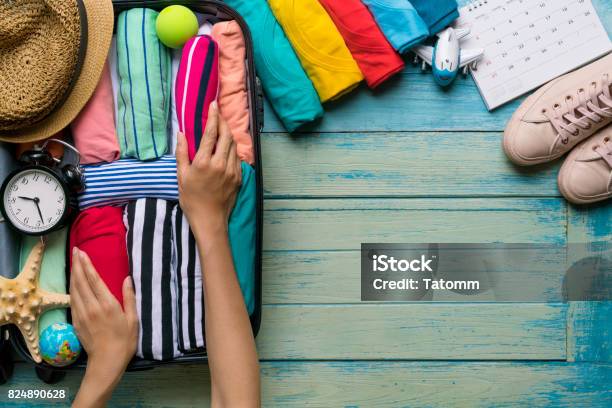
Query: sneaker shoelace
581, 112
605, 150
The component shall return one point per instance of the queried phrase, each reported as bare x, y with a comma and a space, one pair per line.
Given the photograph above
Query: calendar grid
529, 42
534, 68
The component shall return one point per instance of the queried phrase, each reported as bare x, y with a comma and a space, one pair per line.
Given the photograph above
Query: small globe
59, 345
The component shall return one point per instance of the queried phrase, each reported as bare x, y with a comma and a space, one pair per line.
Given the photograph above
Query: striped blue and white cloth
126, 180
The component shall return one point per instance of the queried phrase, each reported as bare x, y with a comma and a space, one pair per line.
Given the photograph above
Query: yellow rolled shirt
319, 46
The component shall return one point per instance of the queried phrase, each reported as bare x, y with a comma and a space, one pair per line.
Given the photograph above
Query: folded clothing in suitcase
121, 178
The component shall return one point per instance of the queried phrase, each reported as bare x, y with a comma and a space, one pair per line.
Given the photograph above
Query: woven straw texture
54, 54
39, 43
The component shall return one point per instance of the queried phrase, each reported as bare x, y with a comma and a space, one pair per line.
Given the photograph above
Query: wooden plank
368, 384
345, 224
398, 164
589, 332
589, 329
411, 101
331, 277
363, 384
438, 331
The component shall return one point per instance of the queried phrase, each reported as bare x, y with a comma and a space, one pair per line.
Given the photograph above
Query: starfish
22, 301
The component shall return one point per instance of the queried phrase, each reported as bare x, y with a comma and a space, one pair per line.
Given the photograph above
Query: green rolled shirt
145, 86
52, 276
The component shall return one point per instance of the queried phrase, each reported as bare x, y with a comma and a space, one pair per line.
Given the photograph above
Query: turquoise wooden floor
410, 163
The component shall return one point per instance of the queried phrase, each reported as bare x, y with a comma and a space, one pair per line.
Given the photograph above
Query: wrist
209, 228
105, 371
98, 384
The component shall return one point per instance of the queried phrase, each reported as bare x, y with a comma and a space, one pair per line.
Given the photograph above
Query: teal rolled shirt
286, 85
399, 22
145, 86
242, 235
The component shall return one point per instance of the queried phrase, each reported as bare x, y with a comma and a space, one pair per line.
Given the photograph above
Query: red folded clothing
374, 55
100, 232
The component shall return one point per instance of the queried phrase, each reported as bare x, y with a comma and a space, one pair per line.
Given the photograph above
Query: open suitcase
214, 11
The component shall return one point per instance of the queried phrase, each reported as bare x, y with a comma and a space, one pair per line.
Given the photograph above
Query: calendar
529, 42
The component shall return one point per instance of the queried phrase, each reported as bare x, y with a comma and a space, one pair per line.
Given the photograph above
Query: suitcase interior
214, 11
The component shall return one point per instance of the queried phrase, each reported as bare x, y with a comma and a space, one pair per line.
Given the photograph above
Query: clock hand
36, 201
27, 198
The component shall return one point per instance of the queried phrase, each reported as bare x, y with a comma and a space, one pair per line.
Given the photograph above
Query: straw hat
51, 57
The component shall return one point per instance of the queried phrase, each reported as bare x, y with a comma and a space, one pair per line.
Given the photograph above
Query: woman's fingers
129, 302
76, 303
209, 139
98, 287
233, 164
182, 154
225, 141
81, 284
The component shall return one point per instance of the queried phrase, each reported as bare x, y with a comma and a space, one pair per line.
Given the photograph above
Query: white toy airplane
446, 58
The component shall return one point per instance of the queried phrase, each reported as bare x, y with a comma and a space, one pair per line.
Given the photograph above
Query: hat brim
100, 21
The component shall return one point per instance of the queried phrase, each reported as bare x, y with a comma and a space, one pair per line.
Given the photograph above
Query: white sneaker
586, 175
561, 114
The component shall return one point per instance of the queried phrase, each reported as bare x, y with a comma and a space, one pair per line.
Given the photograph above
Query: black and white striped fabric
149, 243
190, 289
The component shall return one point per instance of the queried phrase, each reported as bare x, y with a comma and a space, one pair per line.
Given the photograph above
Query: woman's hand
208, 185
107, 332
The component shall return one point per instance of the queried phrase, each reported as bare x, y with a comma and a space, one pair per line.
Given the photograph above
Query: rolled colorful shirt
93, 130
101, 234
126, 180
400, 23
144, 67
375, 56
233, 97
52, 276
242, 231
149, 243
190, 289
287, 88
197, 86
436, 14
319, 46
205, 29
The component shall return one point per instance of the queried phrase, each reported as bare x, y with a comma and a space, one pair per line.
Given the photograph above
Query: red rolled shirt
100, 232
374, 55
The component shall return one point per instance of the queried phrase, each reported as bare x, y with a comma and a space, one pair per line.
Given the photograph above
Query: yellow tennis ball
175, 25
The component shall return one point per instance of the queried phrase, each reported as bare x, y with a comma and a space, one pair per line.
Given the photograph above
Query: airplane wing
468, 57
424, 52
462, 32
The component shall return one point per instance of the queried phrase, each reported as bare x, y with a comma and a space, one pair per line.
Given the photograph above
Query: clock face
34, 201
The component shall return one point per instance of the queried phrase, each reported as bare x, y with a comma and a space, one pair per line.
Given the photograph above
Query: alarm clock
40, 196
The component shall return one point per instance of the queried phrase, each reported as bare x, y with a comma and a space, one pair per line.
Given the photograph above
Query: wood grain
421, 164
365, 384
345, 224
332, 277
589, 331
427, 331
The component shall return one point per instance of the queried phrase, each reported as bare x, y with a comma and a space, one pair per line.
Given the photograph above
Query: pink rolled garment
197, 86
233, 99
93, 129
